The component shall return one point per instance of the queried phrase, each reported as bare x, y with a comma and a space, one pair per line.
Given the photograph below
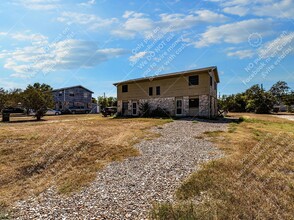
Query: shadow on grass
22, 121
226, 120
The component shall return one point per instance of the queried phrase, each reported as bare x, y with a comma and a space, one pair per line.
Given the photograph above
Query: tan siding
169, 87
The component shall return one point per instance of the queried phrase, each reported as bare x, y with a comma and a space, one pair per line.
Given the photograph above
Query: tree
258, 100
13, 97
94, 100
107, 101
254, 99
288, 99
233, 103
279, 90
38, 97
3, 99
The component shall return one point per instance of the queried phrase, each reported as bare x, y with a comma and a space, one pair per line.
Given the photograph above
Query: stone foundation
204, 106
169, 104
164, 103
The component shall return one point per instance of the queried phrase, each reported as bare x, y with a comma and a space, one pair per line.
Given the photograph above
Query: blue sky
98, 42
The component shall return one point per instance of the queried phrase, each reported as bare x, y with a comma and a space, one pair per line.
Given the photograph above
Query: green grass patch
254, 181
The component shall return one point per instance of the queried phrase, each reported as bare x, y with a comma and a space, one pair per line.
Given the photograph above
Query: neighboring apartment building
187, 93
74, 96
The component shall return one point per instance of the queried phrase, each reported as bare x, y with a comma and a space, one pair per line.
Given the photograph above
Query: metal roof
211, 68
71, 87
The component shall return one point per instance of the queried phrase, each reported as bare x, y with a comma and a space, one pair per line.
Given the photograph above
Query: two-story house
186, 93
74, 96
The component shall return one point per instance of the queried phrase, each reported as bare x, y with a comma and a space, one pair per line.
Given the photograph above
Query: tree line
257, 99
38, 98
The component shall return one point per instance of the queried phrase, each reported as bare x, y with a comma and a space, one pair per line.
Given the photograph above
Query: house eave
168, 75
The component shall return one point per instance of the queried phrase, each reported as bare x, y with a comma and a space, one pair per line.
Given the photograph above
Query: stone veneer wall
213, 107
185, 106
170, 105
119, 106
164, 103
204, 105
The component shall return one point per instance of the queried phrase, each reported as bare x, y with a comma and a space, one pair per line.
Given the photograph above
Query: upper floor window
157, 90
71, 94
193, 80
60, 94
210, 80
150, 91
85, 95
125, 88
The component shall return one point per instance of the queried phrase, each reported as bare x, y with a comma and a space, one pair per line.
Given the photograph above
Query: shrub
159, 112
145, 110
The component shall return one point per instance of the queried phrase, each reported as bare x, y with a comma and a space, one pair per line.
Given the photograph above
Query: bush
145, 110
159, 112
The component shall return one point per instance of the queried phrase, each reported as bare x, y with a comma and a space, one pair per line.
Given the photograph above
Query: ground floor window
134, 108
194, 103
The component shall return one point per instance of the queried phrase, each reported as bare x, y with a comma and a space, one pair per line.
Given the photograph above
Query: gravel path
126, 190
289, 117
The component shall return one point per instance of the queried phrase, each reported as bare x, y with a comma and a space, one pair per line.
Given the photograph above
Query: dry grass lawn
63, 151
254, 181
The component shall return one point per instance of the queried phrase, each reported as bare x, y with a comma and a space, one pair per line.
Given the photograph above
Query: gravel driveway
289, 117
126, 190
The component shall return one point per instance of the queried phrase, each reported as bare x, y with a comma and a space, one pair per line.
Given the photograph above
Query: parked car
77, 110
52, 112
48, 112
109, 111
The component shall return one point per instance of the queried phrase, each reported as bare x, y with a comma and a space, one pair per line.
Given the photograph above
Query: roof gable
72, 87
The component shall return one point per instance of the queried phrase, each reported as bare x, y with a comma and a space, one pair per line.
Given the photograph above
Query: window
210, 80
193, 80
125, 88
157, 90
71, 94
194, 103
85, 95
60, 94
150, 91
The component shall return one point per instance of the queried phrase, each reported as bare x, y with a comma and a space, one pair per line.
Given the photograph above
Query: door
179, 107
124, 108
134, 108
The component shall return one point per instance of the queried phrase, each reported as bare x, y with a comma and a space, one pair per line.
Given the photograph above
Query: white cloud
3, 33
88, 3
236, 10
139, 23
181, 21
7, 84
276, 47
235, 32
39, 4
280, 9
262, 8
63, 55
135, 23
91, 20
137, 56
33, 38
210, 16
134, 14
241, 53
